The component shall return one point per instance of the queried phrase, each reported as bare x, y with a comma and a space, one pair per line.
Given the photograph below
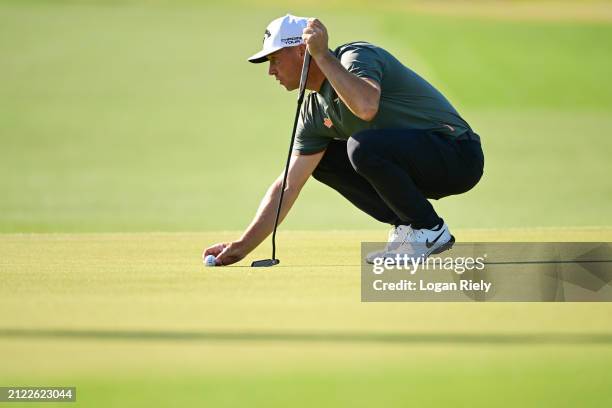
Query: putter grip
304, 76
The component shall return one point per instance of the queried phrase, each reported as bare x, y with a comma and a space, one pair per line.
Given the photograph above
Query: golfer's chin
289, 87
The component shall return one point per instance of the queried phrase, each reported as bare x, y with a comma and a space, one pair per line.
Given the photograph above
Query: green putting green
136, 320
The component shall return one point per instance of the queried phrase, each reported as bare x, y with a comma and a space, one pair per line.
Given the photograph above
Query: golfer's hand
225, 253
315, 37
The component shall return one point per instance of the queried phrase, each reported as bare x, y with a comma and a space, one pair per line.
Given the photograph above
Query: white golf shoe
415, 243
397, 235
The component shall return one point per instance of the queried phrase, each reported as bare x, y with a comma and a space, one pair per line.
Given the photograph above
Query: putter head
264, 263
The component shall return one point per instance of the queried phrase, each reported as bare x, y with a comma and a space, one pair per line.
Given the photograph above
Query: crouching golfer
373, 130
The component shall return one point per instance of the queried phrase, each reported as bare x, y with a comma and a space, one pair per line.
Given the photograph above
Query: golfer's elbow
368, 100
368, 112
367, 107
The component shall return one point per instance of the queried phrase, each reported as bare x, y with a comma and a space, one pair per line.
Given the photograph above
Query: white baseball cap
283, 32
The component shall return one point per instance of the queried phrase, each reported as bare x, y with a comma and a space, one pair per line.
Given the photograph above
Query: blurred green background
128, 117
145, 115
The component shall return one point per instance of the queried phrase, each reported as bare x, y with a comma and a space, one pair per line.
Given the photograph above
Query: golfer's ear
302, 50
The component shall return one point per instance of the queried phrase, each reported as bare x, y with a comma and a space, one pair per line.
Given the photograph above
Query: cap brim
262, 56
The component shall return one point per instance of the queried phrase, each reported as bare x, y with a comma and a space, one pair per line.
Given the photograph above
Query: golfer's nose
271, 71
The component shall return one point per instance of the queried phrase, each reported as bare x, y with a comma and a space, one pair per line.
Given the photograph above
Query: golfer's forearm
361, 97
263, 222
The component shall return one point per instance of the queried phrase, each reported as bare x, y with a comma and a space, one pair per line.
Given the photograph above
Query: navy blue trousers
390, 174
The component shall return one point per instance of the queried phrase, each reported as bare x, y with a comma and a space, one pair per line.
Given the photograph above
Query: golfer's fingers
214, 250
225, 257
209, 251
309, 37
307, 34
316, 23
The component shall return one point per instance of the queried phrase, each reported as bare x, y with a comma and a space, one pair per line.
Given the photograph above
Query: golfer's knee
360, 151
325, 172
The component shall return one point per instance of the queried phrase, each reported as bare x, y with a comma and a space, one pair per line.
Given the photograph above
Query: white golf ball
209, 260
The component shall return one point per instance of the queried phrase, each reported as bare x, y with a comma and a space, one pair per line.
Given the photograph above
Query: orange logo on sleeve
327, 122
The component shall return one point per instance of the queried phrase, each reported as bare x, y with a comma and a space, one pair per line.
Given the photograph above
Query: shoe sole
445, 246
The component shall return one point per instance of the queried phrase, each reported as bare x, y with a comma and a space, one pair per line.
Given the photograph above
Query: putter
273, 261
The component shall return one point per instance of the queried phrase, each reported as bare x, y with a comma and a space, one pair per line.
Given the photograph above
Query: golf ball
209, 260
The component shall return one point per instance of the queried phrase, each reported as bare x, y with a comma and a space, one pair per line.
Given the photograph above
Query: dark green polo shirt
407, 101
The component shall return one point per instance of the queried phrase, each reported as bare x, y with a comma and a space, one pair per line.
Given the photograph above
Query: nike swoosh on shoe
430, 244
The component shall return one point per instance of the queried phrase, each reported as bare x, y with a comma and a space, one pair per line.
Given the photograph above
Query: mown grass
136, 320
130, 117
